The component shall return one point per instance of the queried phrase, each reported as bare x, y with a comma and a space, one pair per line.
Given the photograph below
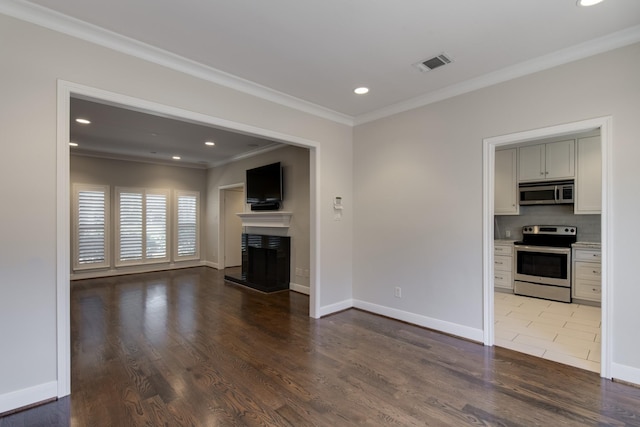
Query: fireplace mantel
279, 219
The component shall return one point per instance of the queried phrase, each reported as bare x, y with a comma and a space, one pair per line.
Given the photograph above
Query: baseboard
122, 271
625, 373
211, 264
461, 331
28, 396
303, 289
334, 308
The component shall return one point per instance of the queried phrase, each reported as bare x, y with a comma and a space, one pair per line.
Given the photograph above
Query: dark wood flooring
183, 348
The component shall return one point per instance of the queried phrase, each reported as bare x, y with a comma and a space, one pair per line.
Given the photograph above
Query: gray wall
120, 173
295, 164
418, 200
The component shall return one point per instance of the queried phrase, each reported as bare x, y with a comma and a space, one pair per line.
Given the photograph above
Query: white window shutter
156, 226
130, 219
91, 223
187, 234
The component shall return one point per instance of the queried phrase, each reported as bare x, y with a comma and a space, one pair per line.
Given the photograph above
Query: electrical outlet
397, 292
507, 233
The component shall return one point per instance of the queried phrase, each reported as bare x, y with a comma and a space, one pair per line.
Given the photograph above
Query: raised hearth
265, 262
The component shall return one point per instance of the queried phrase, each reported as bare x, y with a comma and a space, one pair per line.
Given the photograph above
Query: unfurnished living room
319, 213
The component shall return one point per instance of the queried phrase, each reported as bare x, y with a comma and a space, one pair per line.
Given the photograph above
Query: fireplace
265, 262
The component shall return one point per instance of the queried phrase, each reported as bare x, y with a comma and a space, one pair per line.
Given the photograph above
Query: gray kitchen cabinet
588, 195
547, 162
506, 183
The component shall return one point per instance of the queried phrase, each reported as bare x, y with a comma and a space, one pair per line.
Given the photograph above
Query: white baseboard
121, 271
303, 289
334, 308
466, 332
28, 396
211, 264
625, 373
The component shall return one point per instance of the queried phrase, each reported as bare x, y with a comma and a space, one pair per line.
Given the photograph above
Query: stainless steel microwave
546, 193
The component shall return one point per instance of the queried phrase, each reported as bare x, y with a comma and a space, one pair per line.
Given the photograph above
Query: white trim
489, 146
458, 330
303, 289
583, 50
334, 308
63, 250
625, 373
59, 22
278, 219
28, 396
65, 91
135, 269
211, 264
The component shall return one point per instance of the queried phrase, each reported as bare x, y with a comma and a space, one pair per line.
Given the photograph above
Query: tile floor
565, 333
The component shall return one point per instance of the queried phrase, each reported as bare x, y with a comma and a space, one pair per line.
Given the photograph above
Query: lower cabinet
587, 276
503, 266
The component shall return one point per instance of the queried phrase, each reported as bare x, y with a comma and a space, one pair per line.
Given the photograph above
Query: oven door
544, 265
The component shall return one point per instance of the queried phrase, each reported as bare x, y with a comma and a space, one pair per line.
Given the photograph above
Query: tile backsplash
588, 225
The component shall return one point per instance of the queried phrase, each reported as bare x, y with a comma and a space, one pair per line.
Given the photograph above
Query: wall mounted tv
264, 187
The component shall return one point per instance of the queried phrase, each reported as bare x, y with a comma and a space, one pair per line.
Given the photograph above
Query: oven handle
544, 249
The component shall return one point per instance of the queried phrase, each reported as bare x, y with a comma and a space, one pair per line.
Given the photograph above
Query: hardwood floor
183, 348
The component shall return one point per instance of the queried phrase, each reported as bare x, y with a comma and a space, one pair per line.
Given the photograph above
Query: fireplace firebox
265, 262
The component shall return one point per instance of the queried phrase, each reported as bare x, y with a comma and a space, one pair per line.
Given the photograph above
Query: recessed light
210, 143
361, 90
83, 121
73, 144
588, 2
176, 157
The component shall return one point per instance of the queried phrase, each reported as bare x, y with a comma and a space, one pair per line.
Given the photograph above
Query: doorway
489, 147
67, 90
231, 202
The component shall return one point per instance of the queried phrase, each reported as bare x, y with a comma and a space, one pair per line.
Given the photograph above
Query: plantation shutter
91, 231
156, 221
187, 226
130, 219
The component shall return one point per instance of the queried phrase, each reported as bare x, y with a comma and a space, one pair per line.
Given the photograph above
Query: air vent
433, 63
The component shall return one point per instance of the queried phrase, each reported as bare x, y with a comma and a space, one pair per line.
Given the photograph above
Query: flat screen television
264, 186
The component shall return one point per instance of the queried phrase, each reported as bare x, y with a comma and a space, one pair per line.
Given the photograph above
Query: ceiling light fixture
588, 2
361, 90
83, 121
210, 143
176, 157
73, 144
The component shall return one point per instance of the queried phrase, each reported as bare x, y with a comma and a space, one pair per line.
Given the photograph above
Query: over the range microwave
546, 193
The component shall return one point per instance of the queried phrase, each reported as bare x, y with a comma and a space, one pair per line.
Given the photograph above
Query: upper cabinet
588, 177
551, 161
506, 183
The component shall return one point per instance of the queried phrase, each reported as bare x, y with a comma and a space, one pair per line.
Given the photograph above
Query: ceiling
127, 134
314, 53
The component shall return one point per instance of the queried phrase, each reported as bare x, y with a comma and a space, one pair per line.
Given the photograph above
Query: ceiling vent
433, 63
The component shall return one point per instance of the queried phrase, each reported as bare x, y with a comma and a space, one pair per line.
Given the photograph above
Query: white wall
33, 59
418, 206
295, 164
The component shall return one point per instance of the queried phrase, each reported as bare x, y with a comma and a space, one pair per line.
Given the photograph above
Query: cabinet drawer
588, 271
502, 279
503, 250
587, 255
588, 290
502, 263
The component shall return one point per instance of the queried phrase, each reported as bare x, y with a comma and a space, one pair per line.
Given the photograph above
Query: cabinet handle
595, 272
500, 277
541, 173
499, 262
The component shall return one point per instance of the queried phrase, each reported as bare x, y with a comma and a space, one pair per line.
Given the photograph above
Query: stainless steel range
543, 262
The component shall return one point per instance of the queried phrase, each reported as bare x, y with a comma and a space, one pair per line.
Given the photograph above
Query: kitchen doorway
490, 144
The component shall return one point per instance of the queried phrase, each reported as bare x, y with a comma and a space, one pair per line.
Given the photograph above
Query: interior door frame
222, 230
488, 180
65, 91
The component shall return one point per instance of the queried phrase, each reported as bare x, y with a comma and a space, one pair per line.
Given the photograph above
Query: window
141, 226
91, 226
187, 243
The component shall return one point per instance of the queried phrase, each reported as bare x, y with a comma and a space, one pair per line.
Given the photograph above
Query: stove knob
572, 230
566, 230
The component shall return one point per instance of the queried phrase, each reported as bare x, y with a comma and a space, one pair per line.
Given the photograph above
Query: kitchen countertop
504, 241
586, 245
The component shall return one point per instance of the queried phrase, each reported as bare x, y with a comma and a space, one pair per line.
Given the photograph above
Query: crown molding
583, 50
56, 21
136, 159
